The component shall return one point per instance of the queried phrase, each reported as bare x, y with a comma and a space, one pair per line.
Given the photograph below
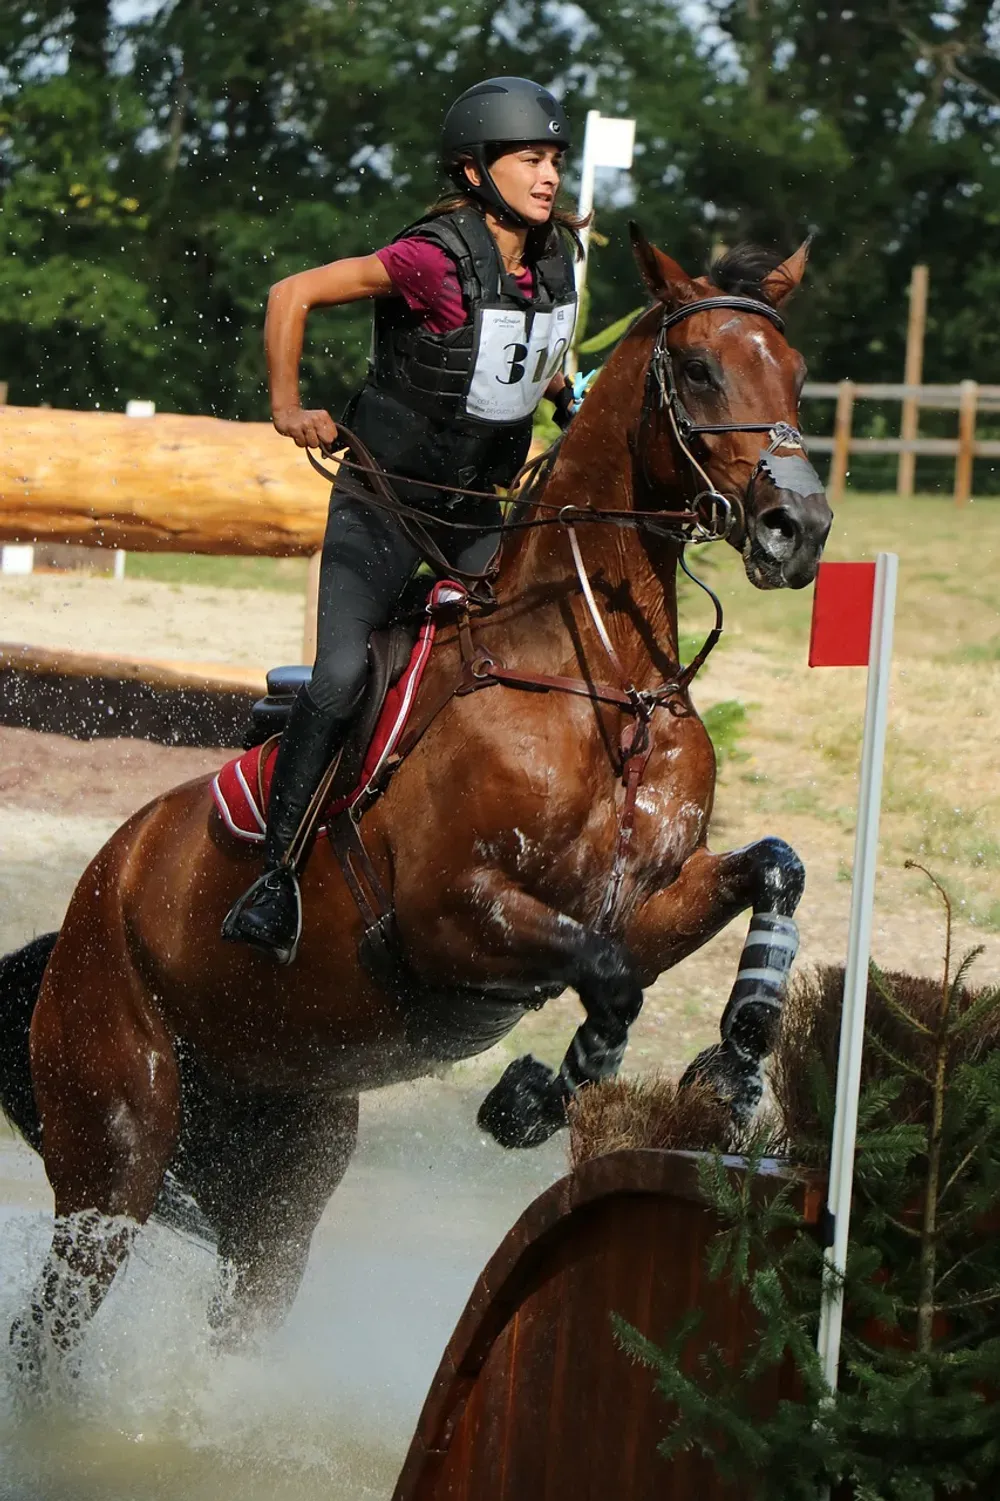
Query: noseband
719, 514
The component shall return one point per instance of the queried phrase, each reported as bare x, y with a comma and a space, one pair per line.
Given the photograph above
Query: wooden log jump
533, 1397
166, 484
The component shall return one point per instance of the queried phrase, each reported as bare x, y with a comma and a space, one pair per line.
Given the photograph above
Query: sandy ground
246, 628
59, 799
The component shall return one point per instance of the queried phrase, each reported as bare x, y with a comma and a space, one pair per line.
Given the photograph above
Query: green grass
987, 651
949, 560
725, 723
282, 575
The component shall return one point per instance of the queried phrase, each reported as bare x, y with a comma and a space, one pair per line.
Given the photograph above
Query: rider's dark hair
742, 270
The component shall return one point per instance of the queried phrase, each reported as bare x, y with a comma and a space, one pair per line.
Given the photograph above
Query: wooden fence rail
968, 399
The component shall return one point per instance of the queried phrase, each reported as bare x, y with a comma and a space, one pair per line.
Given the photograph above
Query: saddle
397, 659
390, 653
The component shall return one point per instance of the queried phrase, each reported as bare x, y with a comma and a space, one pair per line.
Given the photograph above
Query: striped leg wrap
591, 1058
750, 1020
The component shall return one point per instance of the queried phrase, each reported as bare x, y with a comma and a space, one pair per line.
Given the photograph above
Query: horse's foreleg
106, 1082
709, 892
544, 946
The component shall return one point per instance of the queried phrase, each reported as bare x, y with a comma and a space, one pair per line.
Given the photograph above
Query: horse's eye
697, 373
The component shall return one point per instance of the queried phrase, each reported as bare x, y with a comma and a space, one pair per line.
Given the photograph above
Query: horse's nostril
781, 522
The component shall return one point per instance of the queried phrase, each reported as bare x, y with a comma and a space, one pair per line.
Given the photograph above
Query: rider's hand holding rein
289, 304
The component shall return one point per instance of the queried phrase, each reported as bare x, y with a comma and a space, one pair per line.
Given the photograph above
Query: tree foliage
161, 166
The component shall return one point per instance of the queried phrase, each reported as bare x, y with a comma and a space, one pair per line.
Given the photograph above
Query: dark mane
741, 271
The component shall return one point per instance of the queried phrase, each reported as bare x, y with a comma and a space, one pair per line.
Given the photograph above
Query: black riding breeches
367, 560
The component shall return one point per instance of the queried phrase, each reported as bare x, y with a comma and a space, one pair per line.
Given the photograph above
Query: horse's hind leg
105, 1080
709, 892
286, 1155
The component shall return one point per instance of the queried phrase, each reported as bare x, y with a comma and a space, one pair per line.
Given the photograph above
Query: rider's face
527, 179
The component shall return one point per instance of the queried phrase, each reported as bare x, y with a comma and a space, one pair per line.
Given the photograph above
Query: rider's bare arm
288, 306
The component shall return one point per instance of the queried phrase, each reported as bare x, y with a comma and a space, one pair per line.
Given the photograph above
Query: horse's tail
20, 981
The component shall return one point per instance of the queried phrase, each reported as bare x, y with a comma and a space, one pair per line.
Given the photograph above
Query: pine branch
980, 1007
935, 1143
973, 1300
967, 961
900, 1012
970, 1156
903, 1227
903, 1064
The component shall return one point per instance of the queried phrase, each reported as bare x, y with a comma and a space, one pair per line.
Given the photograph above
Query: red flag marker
842, 615
853, 613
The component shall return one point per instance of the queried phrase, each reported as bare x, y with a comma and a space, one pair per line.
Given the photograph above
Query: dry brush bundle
901, 1031
648, 1112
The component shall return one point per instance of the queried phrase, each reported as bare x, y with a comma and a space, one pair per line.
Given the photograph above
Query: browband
737, 304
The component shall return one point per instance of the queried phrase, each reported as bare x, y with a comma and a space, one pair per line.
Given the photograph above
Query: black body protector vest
457, 407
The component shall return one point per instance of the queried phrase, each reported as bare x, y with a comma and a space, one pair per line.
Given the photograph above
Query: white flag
611, 142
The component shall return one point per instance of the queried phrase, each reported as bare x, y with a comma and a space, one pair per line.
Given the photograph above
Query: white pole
584, 204
132, 409
852, 1022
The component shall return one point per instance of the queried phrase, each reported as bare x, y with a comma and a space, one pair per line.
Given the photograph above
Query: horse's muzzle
785, 539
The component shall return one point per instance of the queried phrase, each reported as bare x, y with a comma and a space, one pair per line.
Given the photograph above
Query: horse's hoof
735, 1077
526, 1106
26, 1353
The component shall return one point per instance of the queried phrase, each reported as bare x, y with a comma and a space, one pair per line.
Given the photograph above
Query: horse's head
728, 384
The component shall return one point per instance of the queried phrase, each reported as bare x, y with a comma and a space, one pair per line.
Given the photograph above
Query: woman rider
474, 314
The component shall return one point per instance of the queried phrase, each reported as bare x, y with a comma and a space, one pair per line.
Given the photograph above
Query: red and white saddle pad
237, 787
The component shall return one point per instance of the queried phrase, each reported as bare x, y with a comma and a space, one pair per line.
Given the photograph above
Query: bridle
716, 515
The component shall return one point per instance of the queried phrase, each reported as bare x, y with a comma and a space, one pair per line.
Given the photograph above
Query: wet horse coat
154, 1043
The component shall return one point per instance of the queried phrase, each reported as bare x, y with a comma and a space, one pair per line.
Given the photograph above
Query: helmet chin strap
490, 194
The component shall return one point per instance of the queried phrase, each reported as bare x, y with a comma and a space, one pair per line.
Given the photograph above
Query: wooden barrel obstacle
534, 1400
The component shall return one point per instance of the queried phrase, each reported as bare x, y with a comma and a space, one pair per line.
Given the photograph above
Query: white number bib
513, 367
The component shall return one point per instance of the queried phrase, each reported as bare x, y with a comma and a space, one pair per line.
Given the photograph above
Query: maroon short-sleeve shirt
427, 278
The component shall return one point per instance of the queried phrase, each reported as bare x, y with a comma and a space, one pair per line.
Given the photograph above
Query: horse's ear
668, 282
783, 280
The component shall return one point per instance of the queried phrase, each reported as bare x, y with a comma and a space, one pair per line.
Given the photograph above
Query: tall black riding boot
269, 914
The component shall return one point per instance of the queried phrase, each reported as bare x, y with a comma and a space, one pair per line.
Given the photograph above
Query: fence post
841, 440
913, 376
968, 397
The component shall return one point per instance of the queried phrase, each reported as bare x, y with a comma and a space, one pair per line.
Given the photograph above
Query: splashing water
327, 1405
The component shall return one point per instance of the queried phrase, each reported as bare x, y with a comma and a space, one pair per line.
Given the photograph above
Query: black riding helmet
499, 112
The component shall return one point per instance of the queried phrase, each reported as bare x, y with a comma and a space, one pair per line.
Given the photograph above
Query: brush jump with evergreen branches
144, 1055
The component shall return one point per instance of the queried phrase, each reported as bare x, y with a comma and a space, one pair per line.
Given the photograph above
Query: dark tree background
161, 165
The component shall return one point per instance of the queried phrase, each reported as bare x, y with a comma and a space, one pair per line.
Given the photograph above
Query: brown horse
156, 1046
